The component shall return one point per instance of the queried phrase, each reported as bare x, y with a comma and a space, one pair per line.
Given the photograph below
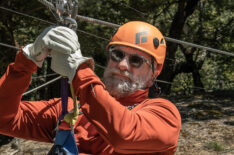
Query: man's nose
123, 64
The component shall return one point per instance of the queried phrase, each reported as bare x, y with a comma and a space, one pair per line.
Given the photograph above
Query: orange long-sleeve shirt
106, 127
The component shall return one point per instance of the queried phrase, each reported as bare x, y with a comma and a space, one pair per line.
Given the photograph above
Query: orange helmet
144, 37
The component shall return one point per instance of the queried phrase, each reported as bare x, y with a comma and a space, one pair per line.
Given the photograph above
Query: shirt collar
134, 98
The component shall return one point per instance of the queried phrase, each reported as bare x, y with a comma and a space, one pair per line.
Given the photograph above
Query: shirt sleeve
34, 120
152, 126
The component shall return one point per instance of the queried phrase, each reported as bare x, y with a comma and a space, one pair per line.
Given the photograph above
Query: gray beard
120, 87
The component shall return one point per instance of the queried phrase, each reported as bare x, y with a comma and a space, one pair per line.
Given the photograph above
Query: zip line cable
9, 46
88, 19
100, 66
100, 22
97, 21
16, 12
171, 39
54, 24
92, 20
43, 85
110, 25
45, 21
44, 76
199, 46
170, 83
134, 9
93, 35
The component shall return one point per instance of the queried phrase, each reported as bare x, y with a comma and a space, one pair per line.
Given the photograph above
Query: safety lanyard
64, 97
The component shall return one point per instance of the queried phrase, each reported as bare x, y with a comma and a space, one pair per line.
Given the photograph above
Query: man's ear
156, 73
154, 67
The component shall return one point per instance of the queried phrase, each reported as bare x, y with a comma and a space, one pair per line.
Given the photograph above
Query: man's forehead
130, 50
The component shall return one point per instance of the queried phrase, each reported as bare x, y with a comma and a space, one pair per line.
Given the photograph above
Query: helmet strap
156, 88
152, 63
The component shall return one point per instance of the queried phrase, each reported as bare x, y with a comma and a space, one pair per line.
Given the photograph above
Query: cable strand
102, 67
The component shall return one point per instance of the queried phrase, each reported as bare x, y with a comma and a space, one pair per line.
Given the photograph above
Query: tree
204, 22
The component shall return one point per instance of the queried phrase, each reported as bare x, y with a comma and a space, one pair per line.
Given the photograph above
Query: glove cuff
87, 60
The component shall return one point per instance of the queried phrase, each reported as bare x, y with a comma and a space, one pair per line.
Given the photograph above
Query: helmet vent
156, 42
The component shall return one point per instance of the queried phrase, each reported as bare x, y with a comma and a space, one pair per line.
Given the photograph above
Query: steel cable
110, 25
100, 66
43, 85
97, 21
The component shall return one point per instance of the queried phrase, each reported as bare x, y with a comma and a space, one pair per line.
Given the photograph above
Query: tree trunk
185, 9
197, 82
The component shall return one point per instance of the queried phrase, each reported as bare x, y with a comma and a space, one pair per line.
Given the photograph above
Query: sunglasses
135, 60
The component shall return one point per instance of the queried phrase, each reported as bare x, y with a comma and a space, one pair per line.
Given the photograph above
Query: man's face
125, 76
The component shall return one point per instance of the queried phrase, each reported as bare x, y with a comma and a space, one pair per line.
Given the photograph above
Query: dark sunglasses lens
136, 61
117, 55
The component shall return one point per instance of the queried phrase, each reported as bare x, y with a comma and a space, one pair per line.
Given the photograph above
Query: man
118, 117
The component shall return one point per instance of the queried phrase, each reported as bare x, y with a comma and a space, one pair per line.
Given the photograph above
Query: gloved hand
38, 58
59, 39
67, 64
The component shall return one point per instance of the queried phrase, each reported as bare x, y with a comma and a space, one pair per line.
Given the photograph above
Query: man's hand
60, 39
67, 64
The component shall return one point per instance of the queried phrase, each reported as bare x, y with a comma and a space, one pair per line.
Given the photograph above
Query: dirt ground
207, 129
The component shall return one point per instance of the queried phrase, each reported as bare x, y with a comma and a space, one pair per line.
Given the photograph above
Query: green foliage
215, 146
182, 84
210, 24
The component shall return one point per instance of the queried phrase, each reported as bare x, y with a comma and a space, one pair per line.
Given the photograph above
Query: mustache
113, 71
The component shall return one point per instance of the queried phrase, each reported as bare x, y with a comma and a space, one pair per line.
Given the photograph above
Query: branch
190, 7
168, 5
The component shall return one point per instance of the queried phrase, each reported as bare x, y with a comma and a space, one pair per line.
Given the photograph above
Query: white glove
59, 39
67, 64
37, 59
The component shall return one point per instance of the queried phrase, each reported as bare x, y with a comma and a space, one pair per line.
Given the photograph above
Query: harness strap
65, 143
64, 97
72, 116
